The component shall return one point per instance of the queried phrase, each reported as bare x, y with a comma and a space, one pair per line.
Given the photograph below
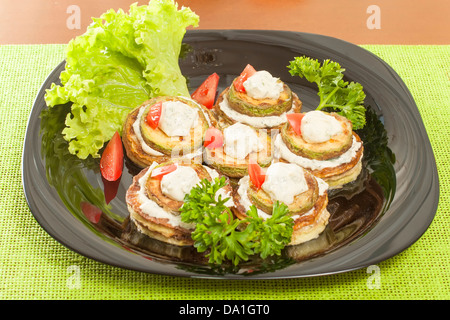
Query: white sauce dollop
177, 118
178, 183
240, 140
284, 181
262, 85
318, 127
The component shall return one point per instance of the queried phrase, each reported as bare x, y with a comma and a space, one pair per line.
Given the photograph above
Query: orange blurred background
357, 21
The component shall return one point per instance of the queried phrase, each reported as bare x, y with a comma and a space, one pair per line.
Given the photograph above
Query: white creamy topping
177, 118
282, 151
263, 85
152, 209
284, 181
137, 132
178, 183
318, 127
256, 122
240, 140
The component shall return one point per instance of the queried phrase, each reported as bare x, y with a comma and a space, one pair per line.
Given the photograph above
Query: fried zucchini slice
237, 168
320, 151
243, 103
302, 202
154, 192
175, 146
224, 119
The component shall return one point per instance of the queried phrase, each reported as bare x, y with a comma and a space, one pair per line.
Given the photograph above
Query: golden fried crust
309, 219
133, 146
343, 168
224, 120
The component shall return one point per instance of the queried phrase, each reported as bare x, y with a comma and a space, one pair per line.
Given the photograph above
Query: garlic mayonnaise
318, 127
262, 85
240, 140
178, 183
177, 118
284, 181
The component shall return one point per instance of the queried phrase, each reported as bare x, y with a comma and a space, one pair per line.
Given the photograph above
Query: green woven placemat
35, 266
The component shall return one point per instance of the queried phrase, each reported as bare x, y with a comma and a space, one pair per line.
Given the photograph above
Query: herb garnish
346, 98
230, 238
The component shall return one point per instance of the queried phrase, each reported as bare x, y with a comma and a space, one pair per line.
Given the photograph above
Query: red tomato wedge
246, 73
256, 174
154, 114
295, 121
111, 162
213, 138
205, 94
160, 172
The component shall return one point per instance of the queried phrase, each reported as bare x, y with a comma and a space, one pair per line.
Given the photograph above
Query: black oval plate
58, 186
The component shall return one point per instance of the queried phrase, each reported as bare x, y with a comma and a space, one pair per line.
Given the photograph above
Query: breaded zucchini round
245, 104
145, 145
156, 214
337, 145
230, 166
226, 115
308, 223
160, 141
154, 191
302, 202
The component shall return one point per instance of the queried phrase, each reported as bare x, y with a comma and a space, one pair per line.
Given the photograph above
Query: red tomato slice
246, 73
154, 114
213, 138
160, 172
295, 121
256, 174
206, 92
111, 162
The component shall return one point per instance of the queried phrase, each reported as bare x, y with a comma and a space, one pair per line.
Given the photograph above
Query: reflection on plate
387, 209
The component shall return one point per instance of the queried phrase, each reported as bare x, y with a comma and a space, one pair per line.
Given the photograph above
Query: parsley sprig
230, 238
346, 98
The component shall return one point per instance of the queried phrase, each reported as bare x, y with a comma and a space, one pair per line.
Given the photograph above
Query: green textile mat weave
35, 266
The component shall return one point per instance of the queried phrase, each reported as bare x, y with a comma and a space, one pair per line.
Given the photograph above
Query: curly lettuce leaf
120, 61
